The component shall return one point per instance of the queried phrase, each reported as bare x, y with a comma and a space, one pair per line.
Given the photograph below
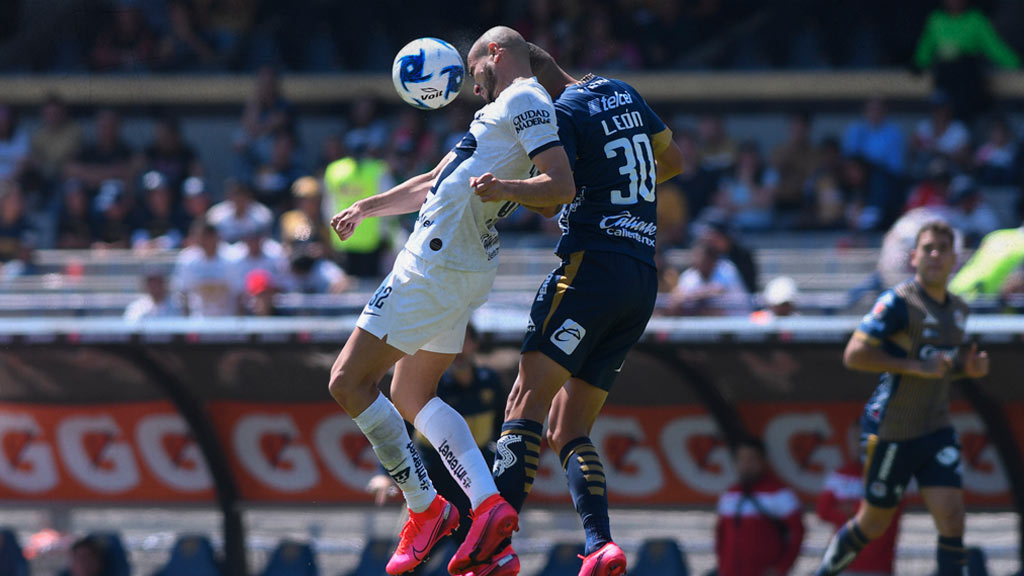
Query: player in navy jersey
914, 335
595, 306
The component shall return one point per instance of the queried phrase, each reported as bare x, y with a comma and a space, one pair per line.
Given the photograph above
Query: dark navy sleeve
567, 131
652, 119
887, 317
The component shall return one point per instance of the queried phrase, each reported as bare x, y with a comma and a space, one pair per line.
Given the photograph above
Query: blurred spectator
272, 179
56, 142
995, 161
411, 138
970, 215
156, 223
14, 225
941, 135
266, 112
24, 263
824, 204
367, 133
110, 226
107, 157
157, 302
933, 190
760, 527
125, 42
196, 200
169, 155
14, 146
1014, 285
260, 289
698, 182
239, 212
206, 275
74, 224
306, 223
954, 41
716, 231
186, 45
779, 299
230, 26
863, 210
311, 273
88, 558
347, 181
332, 148
794, 161
717, 151
746, 193
1000, 254
876, 138
604, 50
839, 500
256, 251
710, 287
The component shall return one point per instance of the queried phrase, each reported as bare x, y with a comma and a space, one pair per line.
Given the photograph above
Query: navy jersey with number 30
606, 129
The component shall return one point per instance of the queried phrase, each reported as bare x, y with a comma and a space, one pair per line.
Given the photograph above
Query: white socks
448, 432
384, 427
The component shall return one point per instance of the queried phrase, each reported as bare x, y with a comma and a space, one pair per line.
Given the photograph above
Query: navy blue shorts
933, 459
590, 311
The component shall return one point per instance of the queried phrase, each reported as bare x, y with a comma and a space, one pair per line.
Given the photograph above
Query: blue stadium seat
375, 557
660, 557
192, 555
563, 558
292, 559
117, 556
12, 561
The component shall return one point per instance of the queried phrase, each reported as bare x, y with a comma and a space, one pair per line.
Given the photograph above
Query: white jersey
455, 229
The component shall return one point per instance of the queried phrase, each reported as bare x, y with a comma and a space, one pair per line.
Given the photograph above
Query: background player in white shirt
416, 320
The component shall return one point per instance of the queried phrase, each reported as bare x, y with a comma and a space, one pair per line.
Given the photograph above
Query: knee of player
342, 384
874, 522
558, 435
408, 404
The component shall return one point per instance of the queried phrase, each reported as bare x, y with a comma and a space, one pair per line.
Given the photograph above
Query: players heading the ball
417, 318
914, 336
589, 311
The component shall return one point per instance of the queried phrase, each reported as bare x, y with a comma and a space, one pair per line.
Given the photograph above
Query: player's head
749, 454
934, 254
497, 58
548, 72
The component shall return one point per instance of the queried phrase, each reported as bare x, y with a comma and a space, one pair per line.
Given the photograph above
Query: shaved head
496, 59
505, 38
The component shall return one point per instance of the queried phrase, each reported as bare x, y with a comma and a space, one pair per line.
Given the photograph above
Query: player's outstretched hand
382, 487
935, 366
976, 363
344, 223
487, 187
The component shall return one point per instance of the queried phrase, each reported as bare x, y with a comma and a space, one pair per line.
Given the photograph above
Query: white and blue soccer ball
428, 73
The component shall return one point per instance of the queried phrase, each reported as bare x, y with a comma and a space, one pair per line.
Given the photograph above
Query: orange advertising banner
312, 453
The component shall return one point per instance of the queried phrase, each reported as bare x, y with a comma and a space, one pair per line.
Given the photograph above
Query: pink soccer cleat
493, 522
505, 563
421, 532
609, 560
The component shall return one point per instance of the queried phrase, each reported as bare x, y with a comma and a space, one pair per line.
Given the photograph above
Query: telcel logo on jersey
625, 225
531, 118
605, 103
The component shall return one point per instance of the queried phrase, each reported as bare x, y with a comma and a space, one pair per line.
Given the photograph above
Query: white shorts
423, 306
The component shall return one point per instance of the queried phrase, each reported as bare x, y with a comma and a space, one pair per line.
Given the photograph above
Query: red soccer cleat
493, 522
421, 532
505, 563
609, 560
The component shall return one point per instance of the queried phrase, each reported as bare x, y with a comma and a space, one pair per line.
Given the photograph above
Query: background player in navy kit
594, 307
913, 336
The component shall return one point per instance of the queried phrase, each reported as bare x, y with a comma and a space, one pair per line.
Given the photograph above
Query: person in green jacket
955, 42
347, 181
1000, 255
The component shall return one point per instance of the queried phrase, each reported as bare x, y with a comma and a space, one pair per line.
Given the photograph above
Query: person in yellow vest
1000, 254
345, 182
306, 222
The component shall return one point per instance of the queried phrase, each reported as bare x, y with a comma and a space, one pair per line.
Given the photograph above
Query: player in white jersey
417, 318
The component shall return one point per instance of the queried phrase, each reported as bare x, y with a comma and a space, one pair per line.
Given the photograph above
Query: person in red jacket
839, 500
760, 525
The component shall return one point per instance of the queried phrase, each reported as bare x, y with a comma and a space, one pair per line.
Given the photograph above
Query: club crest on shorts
947, 456
568, 336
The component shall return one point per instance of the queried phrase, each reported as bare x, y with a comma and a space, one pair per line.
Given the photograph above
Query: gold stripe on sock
531, 460
596, 491
526, 433
531, 447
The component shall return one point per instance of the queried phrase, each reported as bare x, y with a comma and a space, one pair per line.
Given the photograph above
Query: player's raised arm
554, 185
402, 199
667, 157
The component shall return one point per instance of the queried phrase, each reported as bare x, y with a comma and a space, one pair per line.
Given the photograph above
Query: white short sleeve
532, 116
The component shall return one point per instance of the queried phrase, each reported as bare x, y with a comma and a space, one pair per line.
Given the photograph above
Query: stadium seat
375, 557
660, 557
563, 558
117, 556
292, 559
192, 555
12, 561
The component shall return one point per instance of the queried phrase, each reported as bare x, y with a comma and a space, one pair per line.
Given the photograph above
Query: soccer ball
428, 73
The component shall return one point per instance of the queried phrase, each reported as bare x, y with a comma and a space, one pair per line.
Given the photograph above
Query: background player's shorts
590, 311
933, 459
423, 306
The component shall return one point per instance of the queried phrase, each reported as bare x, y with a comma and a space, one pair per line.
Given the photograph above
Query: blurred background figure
88, 558
157, 300
347, 181
779, 299
240, 212
710, 287
205, 274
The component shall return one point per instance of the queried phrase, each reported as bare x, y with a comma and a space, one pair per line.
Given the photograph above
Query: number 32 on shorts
377, 301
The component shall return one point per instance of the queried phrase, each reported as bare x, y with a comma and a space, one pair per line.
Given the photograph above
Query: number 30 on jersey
639, 166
